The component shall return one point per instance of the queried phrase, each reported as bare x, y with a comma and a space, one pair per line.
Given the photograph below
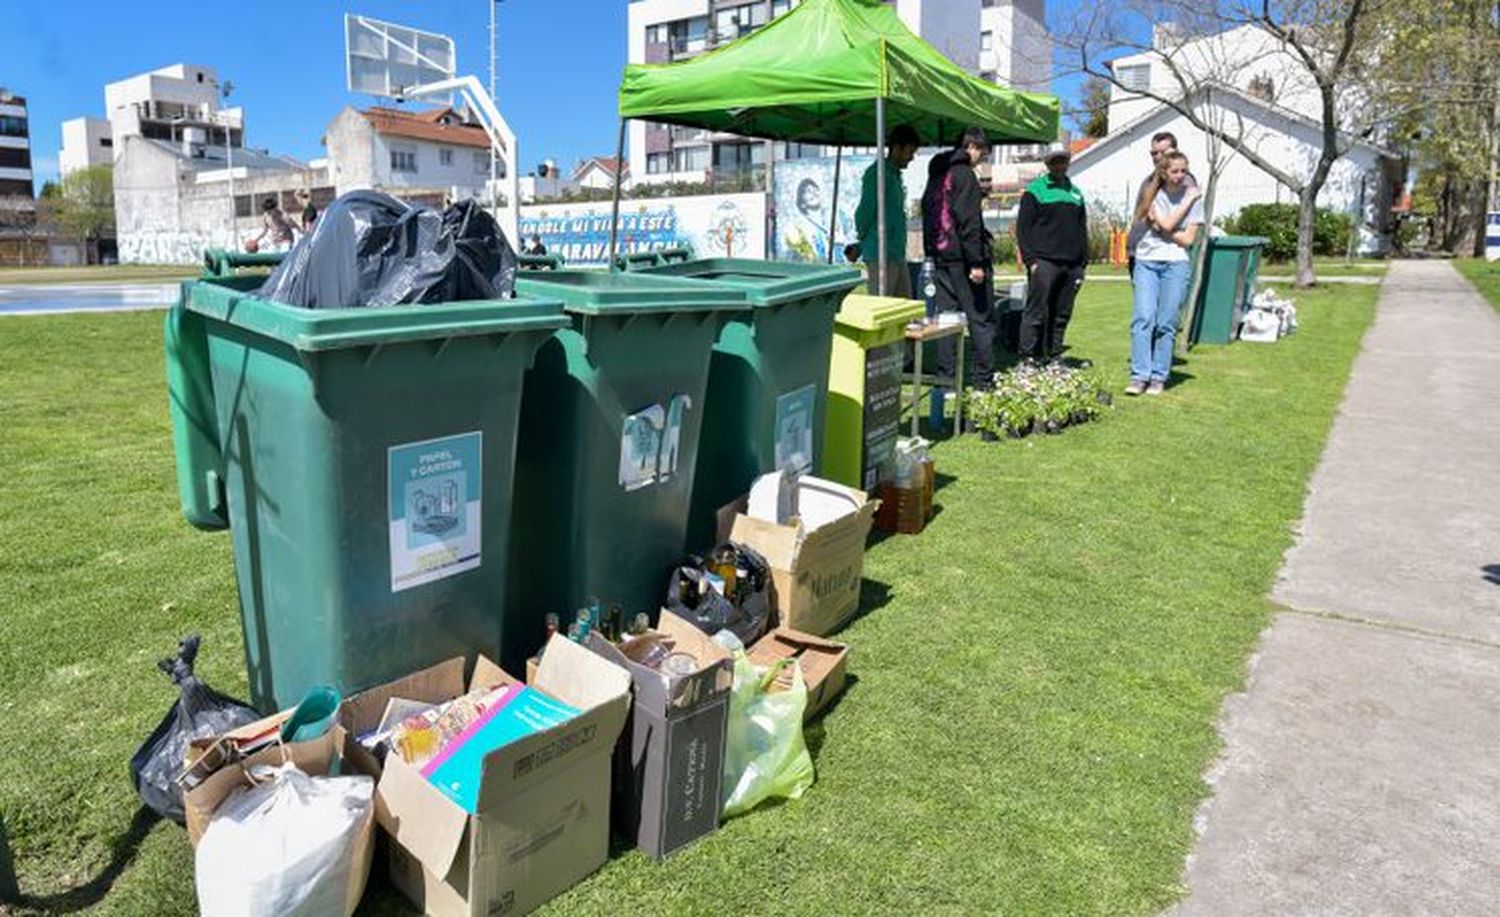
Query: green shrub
1277, 223
1037, 399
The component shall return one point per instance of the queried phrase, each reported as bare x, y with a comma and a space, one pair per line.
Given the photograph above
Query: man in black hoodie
954, 237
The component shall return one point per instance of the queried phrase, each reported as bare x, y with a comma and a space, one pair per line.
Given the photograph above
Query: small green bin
767, 401
609, 440
1228, 284
367, 458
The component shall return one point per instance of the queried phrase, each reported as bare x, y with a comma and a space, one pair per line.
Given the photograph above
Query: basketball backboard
384, 59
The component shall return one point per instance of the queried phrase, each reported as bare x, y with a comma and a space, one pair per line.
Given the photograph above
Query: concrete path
1361, 773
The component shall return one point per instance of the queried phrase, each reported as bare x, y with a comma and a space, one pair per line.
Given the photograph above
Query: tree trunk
1307, 216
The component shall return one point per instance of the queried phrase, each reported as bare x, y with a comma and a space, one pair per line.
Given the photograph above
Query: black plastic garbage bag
198, 712
371, 249
700, 592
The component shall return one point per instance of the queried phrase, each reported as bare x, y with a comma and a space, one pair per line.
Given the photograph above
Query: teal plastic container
367, 456
767, 400
1230, 272
609, 439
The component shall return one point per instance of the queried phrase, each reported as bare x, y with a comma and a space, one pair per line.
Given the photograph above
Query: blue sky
560, 63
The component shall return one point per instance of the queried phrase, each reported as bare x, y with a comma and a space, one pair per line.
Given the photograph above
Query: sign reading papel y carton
434, 502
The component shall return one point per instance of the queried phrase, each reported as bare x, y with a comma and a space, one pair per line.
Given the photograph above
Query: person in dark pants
1052, 232
962, 251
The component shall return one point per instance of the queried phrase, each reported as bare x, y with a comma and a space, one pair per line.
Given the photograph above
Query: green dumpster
609, 441
767, 401
1228, 284
367, 459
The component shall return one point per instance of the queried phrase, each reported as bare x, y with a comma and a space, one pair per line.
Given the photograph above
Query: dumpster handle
218, 262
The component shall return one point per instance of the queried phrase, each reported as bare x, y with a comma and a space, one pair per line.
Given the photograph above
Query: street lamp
224, 91
494, 153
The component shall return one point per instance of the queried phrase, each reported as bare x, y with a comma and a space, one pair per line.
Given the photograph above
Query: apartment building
15, 148
170, 104
997, 39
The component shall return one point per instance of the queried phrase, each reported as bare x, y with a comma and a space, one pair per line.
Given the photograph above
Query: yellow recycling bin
864, 388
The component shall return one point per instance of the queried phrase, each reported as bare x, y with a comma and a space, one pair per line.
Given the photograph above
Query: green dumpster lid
872, 313
605, 292
766, 283
334, 329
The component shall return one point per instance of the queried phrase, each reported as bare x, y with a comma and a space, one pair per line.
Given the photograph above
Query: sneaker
1136, 387
1156, 387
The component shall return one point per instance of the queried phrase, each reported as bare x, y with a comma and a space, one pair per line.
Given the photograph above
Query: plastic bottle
928, 280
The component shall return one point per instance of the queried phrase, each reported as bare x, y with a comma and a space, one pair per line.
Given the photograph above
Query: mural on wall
719, 225
804, 205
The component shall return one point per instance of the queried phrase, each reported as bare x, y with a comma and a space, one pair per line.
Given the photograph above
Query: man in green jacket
1052, 231
900, 149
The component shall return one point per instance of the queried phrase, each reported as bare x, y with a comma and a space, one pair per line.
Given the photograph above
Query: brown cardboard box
315, 757
815, 575
669, 763
823, 663
543, 821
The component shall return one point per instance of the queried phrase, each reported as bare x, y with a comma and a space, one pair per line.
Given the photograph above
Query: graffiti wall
805, 205
171, 246
717, 225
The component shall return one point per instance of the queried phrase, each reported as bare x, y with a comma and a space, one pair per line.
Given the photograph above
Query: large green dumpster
767, 401
609, 442
367, 456
1228, 284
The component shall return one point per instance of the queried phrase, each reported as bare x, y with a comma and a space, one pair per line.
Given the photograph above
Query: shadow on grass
122, 852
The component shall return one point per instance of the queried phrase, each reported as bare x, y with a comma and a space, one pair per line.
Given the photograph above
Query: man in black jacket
1052, 231
954, 237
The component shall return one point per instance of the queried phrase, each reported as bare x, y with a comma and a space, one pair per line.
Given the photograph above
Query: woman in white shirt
1171, 212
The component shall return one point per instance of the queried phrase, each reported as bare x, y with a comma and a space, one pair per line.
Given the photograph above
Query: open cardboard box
823, 663
543, 811
815, 572
669, 763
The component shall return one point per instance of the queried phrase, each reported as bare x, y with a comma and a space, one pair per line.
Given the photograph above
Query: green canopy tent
834, 72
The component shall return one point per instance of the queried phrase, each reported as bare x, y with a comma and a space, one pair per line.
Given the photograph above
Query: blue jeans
1160, 288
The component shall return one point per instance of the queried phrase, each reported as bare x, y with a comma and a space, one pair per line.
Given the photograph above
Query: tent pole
880, 286
833, 219
614, 215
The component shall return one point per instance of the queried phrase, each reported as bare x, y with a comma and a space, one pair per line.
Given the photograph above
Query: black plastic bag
371, 249
198, 712
698, 591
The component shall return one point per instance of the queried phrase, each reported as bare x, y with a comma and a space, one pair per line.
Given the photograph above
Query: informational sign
882, 411
650, 440
434, 510
712, 225
805, 202
794, 430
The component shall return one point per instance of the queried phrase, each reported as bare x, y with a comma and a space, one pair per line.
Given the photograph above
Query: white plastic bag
765, 755
294, 846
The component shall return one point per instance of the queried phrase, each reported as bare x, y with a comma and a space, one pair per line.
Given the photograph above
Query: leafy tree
1093, 118
86, 207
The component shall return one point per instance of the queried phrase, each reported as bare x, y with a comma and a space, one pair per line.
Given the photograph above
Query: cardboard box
543, 819
815, 573
315, 757
669, 762
823, 663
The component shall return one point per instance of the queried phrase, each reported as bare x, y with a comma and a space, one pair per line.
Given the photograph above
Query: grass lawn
1035, 684
106, 273
1485, 275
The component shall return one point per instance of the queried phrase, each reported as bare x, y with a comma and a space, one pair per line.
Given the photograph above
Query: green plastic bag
764, 754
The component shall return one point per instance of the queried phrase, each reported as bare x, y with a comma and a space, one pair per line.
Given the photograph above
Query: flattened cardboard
543, 801
669, 761
823, 663
815, 578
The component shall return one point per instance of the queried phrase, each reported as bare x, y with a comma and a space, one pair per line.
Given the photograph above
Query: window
403, 161
658, 163
986, 41
481, 162
12, 126
445, 157
1136, 77
780, 6
692, 159
106, 142
656, 34
244, 205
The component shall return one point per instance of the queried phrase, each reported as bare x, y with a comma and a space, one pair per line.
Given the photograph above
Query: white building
1362, 183
420, 156
598, 173
166, 104
997, 39
1254, 87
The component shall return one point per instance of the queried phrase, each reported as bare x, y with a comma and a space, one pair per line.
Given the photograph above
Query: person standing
273, 223
962, 251
1052, 233
1170, 222
1161, 144
901, 148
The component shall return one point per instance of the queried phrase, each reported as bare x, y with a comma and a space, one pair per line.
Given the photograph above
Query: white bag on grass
294, 846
